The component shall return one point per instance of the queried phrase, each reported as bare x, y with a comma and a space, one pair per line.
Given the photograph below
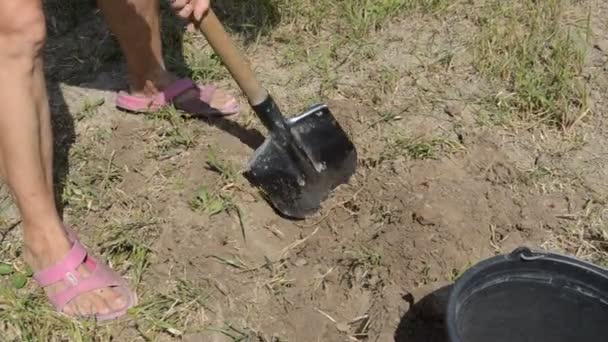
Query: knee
22, 28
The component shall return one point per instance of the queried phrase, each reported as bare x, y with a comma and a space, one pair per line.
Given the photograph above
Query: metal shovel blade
297, 177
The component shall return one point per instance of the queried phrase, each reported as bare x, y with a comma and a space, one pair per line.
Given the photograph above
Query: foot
184, 94
46, 250
205, 100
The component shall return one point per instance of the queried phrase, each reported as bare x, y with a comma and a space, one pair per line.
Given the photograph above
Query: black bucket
528, 296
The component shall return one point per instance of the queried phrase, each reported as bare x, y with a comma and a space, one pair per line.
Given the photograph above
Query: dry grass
421, 147
587, 237
538, 50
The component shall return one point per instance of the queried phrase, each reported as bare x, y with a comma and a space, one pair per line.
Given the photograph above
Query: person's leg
136, 25
26, 147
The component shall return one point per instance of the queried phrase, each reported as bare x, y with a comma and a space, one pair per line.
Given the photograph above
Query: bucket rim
522, 254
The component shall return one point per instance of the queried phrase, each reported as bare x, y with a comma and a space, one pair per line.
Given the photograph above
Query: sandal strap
100, 278
143, 104
174, 90
66, 267
75, 284
137, 103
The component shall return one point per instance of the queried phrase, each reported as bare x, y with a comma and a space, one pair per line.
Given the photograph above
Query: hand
190, 9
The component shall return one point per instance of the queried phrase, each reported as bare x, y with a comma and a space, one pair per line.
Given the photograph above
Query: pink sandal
140, 104
101, 276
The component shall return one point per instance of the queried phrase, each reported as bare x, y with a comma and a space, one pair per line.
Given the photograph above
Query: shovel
304, 157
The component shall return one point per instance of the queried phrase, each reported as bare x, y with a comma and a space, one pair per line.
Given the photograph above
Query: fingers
178, 4
200, 7
186, 12
187, 8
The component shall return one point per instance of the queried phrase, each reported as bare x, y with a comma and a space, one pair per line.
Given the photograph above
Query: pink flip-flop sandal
141, 104
101, 276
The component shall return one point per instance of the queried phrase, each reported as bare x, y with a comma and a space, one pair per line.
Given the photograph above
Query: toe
70, 309
224, 103
79, 307
101, 305
98, 302
113, 299
196, 102
86, 304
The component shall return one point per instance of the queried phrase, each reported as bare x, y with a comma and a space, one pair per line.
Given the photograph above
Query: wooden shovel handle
238, 67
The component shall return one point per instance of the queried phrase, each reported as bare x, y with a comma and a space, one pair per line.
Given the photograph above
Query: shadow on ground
424, 321
80, 47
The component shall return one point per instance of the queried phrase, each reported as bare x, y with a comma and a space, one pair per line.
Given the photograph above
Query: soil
401, 229
381, 243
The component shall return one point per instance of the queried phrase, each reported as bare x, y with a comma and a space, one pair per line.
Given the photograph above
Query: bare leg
26, 146
136, 25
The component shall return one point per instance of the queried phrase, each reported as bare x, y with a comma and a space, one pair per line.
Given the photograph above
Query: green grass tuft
361, 16
420, 148
531, 47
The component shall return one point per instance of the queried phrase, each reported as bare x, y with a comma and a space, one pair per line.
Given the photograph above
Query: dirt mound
419, 223
398, 228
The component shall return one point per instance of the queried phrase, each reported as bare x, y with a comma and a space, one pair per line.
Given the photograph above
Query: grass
171, 134
365, 15
124, 247
21, 312
221, 198
173, 312
362, 265
420, 148
86, 190
587, 236
538, 51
